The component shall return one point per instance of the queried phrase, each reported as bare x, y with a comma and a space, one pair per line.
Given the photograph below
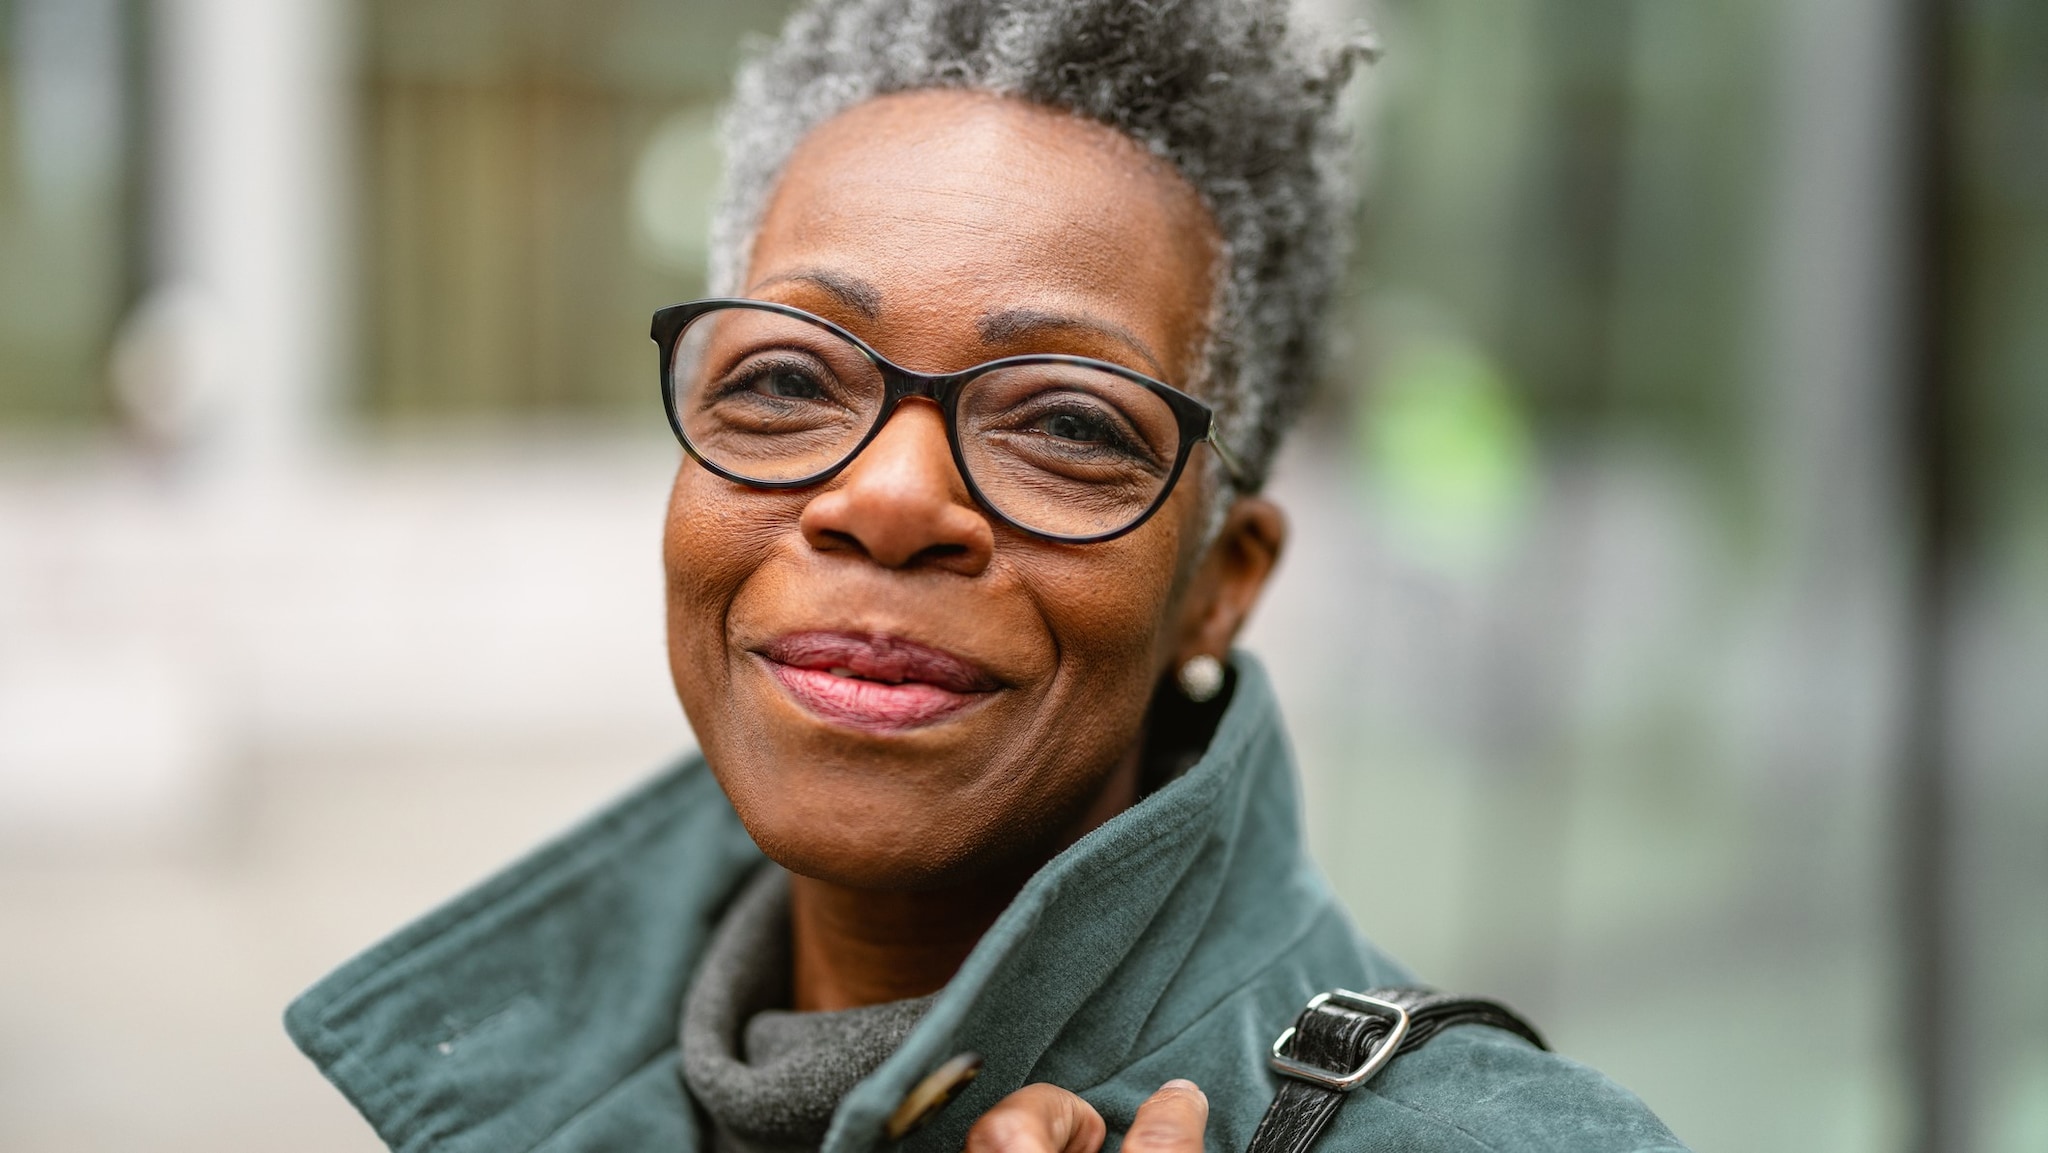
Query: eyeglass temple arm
1231, 464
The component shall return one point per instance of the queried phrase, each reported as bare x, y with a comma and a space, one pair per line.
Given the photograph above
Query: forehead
951, 207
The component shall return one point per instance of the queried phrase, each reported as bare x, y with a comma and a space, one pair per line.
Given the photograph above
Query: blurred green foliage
1449, 451
1580, 188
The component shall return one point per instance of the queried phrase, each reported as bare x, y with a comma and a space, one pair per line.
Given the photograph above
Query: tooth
840, 671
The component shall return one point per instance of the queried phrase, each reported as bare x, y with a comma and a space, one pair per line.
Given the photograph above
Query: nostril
929, 554
842, 539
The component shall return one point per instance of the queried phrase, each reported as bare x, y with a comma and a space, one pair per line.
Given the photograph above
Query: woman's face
895, 689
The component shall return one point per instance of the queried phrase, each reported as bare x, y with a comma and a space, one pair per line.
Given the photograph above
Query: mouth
874, 682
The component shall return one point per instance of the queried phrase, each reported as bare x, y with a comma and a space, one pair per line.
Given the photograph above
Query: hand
1048, 1119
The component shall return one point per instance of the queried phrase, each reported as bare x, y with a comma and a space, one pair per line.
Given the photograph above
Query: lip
875, 682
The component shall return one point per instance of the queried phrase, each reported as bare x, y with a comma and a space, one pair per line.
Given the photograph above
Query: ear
1229, 578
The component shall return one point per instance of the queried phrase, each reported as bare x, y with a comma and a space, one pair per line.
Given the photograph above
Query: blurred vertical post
251, 99
1934, 1000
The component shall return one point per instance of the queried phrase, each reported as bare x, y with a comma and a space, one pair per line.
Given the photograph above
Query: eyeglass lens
1058, 448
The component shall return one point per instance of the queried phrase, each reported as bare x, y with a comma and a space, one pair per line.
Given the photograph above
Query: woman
1019, 297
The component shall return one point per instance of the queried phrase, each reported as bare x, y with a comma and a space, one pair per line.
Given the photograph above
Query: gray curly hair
1231, 92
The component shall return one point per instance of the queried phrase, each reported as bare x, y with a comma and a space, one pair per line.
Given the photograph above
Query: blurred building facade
331, 475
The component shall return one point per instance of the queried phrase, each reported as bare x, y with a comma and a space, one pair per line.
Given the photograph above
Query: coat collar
538, 1011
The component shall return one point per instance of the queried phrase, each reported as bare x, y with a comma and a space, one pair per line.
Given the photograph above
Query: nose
902, 503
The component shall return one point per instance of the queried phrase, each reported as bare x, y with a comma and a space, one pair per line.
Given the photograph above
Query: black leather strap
1339, 1039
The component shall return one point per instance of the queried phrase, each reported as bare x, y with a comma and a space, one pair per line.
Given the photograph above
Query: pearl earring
1201, 678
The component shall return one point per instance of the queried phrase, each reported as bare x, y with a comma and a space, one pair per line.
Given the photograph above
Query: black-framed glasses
1064, 447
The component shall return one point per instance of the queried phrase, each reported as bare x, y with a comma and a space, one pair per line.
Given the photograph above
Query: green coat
539, 1011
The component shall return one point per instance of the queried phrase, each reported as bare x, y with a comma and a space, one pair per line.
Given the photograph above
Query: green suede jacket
538, 1012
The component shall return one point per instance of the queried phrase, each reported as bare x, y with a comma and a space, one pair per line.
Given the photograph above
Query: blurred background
1671, 549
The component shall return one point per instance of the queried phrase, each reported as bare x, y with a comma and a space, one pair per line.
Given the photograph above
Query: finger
1170, 1121
1038, 1119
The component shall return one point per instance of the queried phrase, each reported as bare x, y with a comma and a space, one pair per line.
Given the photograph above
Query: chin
869, 813
844, 845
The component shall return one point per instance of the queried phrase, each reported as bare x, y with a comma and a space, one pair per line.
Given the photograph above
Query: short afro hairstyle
1235, 94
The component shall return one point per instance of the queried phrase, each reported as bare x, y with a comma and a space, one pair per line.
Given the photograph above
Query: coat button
930, 1095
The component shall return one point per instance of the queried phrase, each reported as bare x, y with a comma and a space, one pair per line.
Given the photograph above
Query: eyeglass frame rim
1196, 418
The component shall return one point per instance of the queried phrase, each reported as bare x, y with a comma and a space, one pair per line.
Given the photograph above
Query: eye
785, 382
1079, 426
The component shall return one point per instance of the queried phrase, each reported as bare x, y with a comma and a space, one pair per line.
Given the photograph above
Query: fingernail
1181, 1083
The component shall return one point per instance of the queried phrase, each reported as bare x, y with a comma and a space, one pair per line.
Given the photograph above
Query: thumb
1038, 1119
1170, 1121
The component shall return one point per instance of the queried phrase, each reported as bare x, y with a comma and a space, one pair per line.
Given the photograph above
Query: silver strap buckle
1377, 1060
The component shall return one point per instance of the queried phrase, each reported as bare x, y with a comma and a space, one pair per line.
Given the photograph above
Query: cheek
1107, 608
1113, 605
714, 538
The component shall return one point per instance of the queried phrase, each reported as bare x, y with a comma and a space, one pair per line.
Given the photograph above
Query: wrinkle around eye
749, 374
1127, 443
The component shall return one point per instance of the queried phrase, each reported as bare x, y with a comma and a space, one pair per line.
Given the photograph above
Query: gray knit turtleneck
769, 1078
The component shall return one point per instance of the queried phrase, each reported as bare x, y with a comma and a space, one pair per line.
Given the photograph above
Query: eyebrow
851, 291
1000, 326
1011, 323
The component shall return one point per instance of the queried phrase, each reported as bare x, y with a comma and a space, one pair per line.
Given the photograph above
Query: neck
852, 947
